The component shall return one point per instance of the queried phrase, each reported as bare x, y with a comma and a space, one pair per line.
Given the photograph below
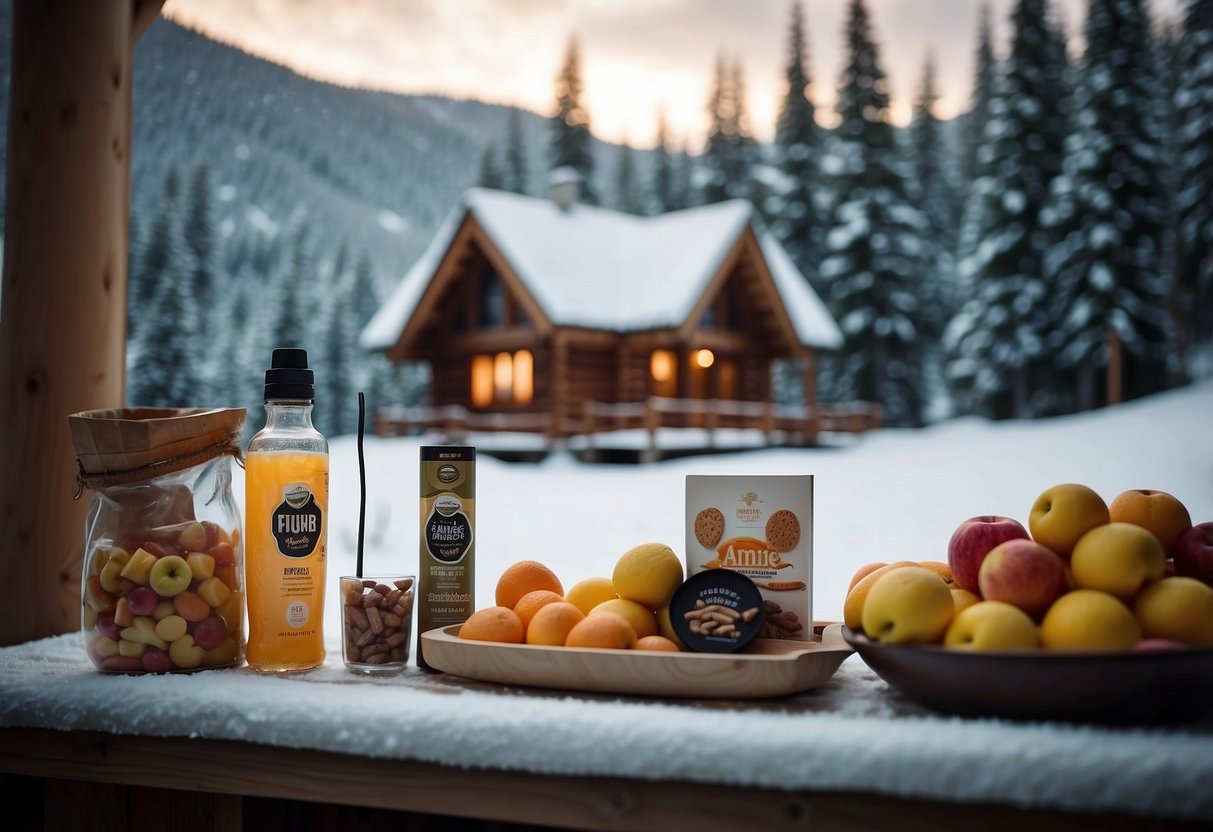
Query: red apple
143, 600
973, 540
1194, 553
155, 660
210, 632
1023, 573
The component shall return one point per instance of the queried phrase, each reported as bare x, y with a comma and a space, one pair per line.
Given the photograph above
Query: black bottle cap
289, 377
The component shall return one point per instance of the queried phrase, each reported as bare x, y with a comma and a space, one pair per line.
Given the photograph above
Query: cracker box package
761, 527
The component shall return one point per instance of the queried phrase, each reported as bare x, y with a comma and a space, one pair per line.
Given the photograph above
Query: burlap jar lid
130, 444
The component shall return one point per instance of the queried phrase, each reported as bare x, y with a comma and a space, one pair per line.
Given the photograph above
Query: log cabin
556, 317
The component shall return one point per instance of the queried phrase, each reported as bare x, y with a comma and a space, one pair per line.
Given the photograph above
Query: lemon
648, 574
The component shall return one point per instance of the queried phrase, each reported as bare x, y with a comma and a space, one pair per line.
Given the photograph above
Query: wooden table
127, 778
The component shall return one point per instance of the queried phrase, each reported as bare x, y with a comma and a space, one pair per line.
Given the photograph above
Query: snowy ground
895, 494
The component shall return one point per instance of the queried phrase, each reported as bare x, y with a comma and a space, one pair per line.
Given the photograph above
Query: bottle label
448, 531
296, 522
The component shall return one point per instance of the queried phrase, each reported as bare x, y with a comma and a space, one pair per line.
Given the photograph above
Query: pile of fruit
629, 610
1085, 575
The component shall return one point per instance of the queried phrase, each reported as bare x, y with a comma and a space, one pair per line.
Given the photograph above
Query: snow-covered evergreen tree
161, 248
731, 153
979, 102
999, 365
1108, 284
336, 381
490, 175
164, 361
364, 296
873, 261
661, 192
682, 189
629, 197
515, 171
1194, 140
934, 196
570, 139
290, 327
794, 208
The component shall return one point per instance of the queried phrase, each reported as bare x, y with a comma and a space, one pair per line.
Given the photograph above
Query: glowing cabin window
503, 376
663, 367
482, 380
524, 377
704, 358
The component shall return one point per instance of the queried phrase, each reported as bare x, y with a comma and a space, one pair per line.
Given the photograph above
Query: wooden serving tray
768, 667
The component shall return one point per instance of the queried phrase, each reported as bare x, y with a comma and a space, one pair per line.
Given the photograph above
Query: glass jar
163, 578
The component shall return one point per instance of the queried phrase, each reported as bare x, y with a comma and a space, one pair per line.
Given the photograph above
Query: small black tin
717, 611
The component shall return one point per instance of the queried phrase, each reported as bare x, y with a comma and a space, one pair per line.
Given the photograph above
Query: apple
123, 616
992, 625
973, 540
910, 605
1087, 619
170, 576
1117, 558
1157, 512
223, 553
193, 538
962, 598
1023, 573
211, 632
143, 600
1177, 609
1194, 553
1063, 514
108, 627
202, 565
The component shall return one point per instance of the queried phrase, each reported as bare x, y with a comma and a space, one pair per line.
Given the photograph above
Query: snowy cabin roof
601, 269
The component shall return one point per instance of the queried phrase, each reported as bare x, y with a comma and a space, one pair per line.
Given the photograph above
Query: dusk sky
638, 56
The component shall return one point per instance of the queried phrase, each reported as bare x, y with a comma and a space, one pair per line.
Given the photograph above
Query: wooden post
1115, 366
63, 318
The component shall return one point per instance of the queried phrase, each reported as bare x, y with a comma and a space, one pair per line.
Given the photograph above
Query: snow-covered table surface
852, 734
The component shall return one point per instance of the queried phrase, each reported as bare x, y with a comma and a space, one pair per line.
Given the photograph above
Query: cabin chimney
564, 187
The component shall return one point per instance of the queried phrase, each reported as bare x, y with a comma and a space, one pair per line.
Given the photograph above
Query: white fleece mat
853, 733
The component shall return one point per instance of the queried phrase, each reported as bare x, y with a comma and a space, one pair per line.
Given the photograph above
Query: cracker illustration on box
760, 526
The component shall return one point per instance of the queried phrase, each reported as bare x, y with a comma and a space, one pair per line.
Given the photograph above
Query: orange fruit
1157, 512
863, 571
939, 568
602, 630
552, 623
660, 643
587, 594
852, 608
523, 577
493, 624
532, 602
962, 598
642, 619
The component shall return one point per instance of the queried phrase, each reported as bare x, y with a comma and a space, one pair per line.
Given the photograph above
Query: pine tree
289, 327
628, 196
337, 404
873, 250
682, 188
1108, 281
979, 102
199, 237
515, 173
731, 151
661, 193
490, 175
163, 370
997, 340
161, 248
797, 219
340, 263
364, 295
571, 139
1194, 105
934, 197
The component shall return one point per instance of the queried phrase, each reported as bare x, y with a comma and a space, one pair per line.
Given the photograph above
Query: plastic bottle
286, 521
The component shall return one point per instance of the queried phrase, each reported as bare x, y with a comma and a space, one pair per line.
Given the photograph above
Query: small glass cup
377, 620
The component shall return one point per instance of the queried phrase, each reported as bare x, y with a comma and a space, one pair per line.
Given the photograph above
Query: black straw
361, 479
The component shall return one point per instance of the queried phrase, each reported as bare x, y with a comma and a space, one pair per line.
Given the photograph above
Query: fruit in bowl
1194, 553
1024, 574
1064, 513
973, 540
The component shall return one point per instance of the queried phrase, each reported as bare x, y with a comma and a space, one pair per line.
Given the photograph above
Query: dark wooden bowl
1121, 688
